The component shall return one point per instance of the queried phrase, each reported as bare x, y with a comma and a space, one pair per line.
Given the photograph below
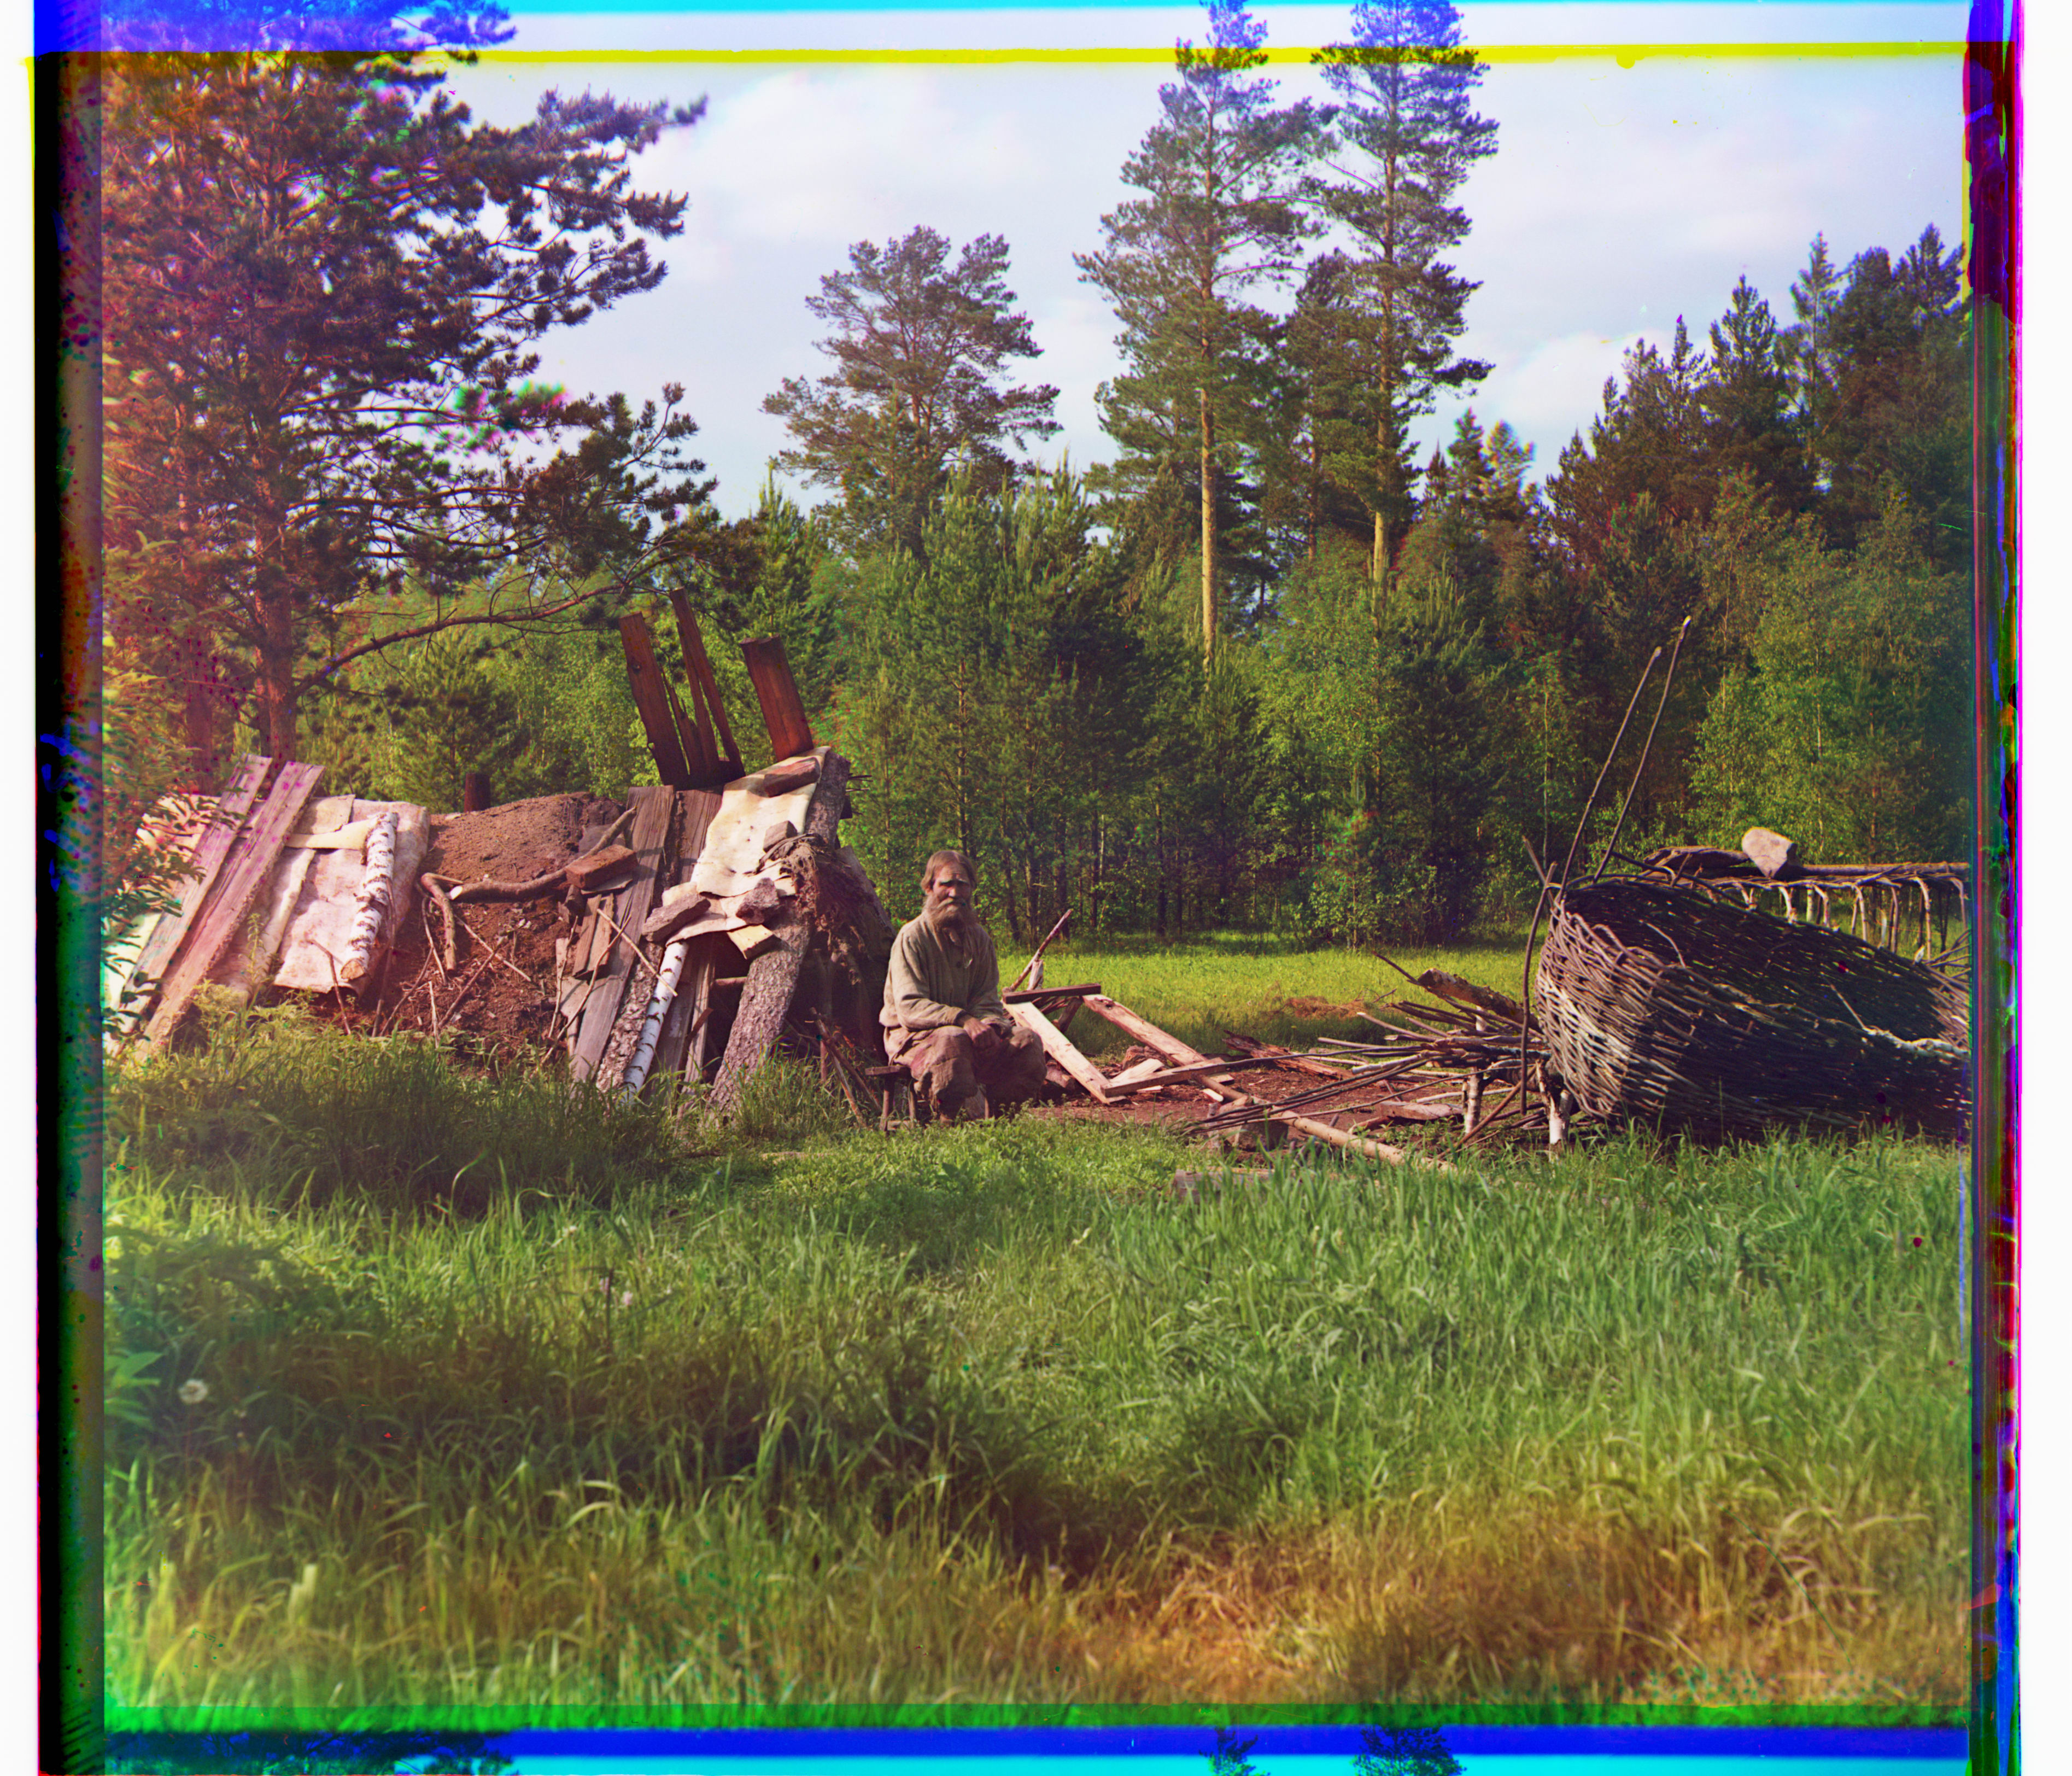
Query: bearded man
944, 1018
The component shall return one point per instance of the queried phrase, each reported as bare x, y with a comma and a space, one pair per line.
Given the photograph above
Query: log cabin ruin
681, 935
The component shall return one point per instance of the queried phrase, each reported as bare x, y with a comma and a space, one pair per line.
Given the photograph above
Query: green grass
1263, 986
984, 1414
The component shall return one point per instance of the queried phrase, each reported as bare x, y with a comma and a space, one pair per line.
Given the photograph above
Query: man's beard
955, 926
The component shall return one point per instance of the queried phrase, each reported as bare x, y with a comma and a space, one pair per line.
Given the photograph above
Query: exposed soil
501, 995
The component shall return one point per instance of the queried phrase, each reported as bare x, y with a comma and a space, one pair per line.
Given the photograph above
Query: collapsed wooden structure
286, 889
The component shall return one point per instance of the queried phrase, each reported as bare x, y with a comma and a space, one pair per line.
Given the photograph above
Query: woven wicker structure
1660, 1004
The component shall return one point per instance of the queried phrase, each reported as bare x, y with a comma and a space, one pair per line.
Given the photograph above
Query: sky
1622, 196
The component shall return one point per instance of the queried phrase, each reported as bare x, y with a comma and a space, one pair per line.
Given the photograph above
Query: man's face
949, 891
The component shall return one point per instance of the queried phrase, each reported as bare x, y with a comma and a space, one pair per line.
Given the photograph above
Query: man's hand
986, 1038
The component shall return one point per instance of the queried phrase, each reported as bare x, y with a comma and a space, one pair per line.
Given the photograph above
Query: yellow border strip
1625, 55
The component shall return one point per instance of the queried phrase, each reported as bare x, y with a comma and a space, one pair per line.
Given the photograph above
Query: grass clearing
983, 1414
1265, 986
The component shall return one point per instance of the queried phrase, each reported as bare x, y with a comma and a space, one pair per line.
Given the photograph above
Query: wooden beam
1187, 1075
1058, 1047
650, 697
655, 811
218, 833
1037, 996
705, 694
673, 1051
783, 715
245, 872
773, 976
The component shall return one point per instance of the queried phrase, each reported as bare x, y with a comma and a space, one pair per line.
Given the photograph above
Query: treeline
1362, 757
1262, 667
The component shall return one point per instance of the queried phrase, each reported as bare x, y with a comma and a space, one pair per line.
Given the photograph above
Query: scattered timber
1061, 1049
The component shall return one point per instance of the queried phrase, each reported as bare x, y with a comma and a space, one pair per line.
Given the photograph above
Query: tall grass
986, 1414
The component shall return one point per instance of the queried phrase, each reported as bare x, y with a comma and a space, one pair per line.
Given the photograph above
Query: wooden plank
655, 812
705, 689
1187, 1075
1041, 996
327, 817
697, 808
783, 715
650, 697
774, 976
1058, 1047
1177, 1053
244, 874
217, 834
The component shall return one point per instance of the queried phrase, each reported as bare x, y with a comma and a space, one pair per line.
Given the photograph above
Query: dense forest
1270, 665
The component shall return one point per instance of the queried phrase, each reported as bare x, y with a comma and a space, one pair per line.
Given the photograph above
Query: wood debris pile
286, 889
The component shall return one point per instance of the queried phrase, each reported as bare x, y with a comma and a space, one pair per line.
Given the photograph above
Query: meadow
437, 1391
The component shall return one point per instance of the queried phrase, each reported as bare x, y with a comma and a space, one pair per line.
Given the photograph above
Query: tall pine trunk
1208, 528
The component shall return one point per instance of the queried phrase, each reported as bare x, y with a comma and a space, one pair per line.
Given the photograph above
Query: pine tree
1405, 138
1747, 400
321, 284
921, 348
1217, 220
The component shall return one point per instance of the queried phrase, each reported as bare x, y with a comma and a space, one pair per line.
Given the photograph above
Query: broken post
783, 715
650, 697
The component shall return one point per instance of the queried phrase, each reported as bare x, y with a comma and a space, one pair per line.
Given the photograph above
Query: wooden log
773, 976
371, 901
783, 715
650, 697
245, 872
1466, 993
673, 1054
704, 690
218, 832
654, 812
434, 886
1058, 1047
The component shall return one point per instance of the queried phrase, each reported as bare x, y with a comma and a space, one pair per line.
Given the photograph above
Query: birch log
371, 904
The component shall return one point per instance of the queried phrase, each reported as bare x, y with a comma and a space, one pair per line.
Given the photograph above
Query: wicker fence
1660, 1004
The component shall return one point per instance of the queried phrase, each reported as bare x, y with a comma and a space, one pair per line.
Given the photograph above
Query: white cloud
834, 155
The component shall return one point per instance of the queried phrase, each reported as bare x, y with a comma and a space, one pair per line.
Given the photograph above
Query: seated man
943, 1019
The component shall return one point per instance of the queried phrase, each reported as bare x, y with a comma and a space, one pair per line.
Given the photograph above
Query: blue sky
1620, 196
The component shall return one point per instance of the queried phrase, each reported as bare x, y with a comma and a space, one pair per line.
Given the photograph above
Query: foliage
322, 285
1404, 137
1218, 217
1852, 727
994, 698
920, 347
1232, 1755
1403, 1751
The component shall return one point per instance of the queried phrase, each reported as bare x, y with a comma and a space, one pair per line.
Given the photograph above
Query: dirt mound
501, 994
516, 841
